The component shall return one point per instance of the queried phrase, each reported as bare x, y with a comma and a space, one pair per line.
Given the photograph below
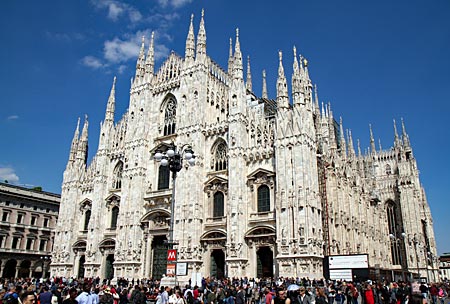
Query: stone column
148, 254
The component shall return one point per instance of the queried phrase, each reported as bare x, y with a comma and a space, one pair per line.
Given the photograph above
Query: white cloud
180, 3
174, 3
116, 9
92, 62
8, 174
12, 117
121, 68
117, 50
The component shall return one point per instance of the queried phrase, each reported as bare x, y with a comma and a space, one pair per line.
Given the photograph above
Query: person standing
72, 296
45, 296
303, 297
85, 297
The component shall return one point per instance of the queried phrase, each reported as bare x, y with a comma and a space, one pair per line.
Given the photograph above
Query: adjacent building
277, 184
28, 220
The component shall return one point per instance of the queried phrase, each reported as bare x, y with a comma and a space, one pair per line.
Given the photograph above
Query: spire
190, 42
379, 145
248, 84
140, 61
201, 39
237, 66
74, 146
342, 138
150, 61
396, 138
230, 58
359, 147
296, 82
316, 96
82, 150
351, 149
110, 107
282, 90
405, 136
264, 85
372, 141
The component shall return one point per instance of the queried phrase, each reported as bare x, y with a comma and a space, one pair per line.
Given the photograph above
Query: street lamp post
173, 158
44, 259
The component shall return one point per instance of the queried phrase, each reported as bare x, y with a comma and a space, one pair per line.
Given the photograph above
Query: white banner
348, 261
341, 274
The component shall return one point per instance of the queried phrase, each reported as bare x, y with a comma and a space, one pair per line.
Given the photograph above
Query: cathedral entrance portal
81, 266
109, 266
218, 263
159, 256
264, 262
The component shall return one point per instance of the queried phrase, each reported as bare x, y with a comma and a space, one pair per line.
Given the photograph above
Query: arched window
388, 170
114, 216
263, 199
87, 218
170, 115
163, 177
117, 179
218, 205
391, 213
220, 157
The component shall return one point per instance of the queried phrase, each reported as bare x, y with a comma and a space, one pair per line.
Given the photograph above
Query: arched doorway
109, 266
264, 262
159, 264
24, 271
10, 269
218, 263
81, 268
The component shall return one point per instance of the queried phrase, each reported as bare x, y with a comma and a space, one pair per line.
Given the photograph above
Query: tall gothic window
395, 242
263, 199
163, 177
170, 115
114, 216
218, 205
87, 218
220, 158
117, 179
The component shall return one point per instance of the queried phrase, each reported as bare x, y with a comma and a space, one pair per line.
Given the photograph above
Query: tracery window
163, 177
220, 159
114, 216
218, 205
87, 218
263, 199
170, 115
117, 180
395, 242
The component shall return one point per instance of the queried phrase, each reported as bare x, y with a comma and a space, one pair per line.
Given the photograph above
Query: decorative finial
280, 55
305, 62
192, 18
237, 32
295, 52
203, 12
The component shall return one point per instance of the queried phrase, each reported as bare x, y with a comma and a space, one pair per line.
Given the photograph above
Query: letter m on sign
172, 255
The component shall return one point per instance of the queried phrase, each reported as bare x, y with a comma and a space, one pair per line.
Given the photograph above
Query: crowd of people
214, 291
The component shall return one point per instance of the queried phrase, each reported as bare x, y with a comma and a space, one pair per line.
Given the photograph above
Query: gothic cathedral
276, 186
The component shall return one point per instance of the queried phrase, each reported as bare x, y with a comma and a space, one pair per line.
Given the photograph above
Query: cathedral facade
276, 186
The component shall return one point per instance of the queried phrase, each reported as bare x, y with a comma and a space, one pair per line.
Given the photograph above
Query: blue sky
375, 61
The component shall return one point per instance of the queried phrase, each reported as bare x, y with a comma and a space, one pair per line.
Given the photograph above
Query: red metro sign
172, 255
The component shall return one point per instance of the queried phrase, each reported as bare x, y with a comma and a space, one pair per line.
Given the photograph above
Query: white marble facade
277, 184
